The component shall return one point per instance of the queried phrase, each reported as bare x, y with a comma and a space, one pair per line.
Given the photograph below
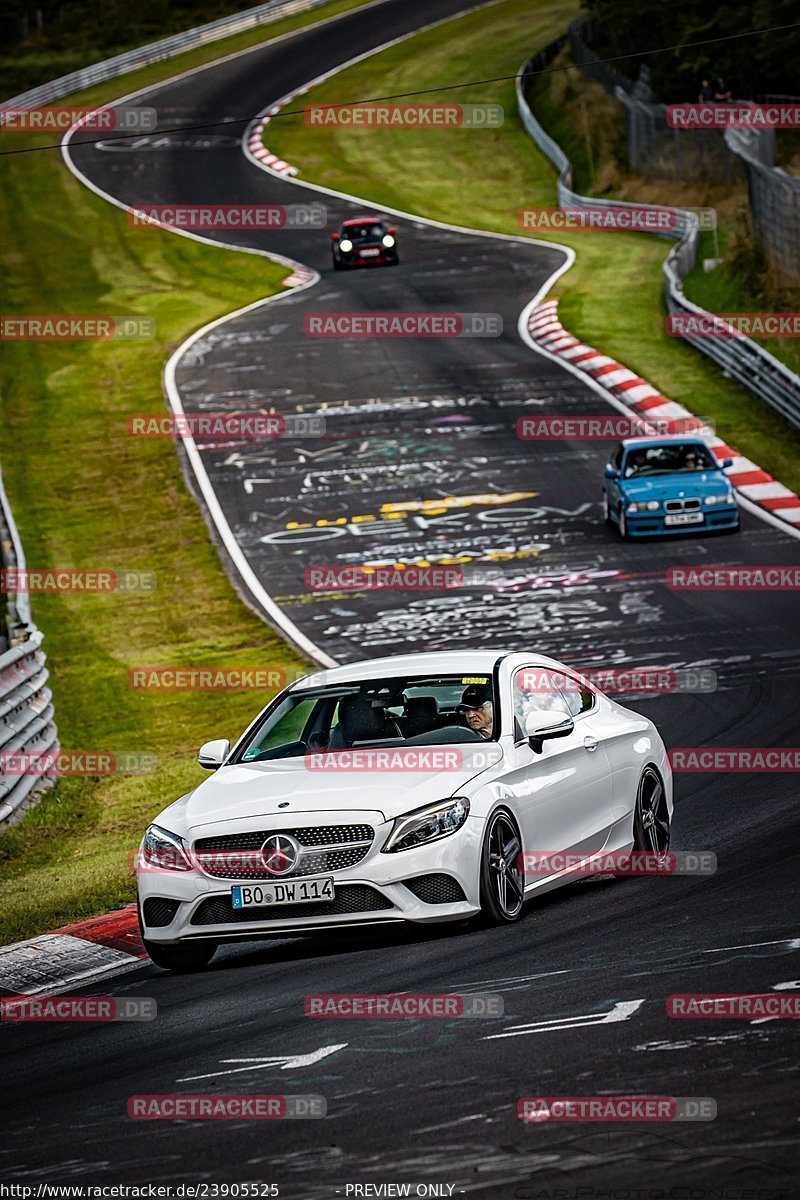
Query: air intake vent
159, 912
436, 889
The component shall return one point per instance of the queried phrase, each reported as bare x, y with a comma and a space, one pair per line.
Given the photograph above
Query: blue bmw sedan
667, 485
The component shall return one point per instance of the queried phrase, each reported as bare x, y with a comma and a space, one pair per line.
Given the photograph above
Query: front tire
606, 509
502, 882
623, 524
183, 957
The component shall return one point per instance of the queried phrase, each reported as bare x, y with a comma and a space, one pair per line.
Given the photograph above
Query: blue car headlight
427, 824
643, 506
720, 498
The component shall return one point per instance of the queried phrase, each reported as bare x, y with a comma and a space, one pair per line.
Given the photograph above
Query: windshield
678, 456
365, 232
407, 711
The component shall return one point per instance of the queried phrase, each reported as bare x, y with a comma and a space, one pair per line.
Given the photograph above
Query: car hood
677, 486
247, 790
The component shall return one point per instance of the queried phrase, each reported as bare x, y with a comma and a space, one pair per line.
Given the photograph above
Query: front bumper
722, 516
373, 892
354, 259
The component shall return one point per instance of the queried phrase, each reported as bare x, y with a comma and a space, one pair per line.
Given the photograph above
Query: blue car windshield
680, 456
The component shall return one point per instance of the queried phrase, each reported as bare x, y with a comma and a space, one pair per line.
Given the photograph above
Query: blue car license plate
690, 518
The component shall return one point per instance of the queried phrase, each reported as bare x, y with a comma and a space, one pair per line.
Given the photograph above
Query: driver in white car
477, 708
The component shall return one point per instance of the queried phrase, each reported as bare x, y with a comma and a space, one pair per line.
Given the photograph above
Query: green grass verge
612, 297
87, 495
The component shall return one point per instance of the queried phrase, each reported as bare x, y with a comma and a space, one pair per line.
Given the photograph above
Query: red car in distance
364, 242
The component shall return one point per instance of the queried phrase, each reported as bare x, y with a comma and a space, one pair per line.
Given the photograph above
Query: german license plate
690, 518
299, 891
369, 253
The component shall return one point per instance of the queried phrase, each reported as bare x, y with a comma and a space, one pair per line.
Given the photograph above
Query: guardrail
26, 702
168, 47
738, 356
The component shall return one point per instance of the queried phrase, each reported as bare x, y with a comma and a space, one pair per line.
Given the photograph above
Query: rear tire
183, 957
502, 882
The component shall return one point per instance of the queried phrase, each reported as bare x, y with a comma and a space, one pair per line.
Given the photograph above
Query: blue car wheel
623, 525
606, 509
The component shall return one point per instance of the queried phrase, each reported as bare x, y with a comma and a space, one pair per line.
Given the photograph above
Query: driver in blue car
476, 705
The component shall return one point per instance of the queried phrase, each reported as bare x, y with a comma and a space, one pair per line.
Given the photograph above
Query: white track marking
286, 1062
623, 1010
791, 943
462, 987
239, 559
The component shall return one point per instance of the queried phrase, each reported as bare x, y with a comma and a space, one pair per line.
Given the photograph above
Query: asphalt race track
408, 423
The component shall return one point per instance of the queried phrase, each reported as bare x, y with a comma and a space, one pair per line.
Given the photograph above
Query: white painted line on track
623, 1010
284, 1062
791, 943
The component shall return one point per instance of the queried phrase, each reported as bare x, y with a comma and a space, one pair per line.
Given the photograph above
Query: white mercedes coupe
416, 788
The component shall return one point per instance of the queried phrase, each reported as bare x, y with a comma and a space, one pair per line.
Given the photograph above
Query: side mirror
335, 237
539, 726
611, 472
212, 755
727, 462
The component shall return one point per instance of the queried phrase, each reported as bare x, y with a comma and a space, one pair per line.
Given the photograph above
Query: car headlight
721, 498
164, 851
388, 240
643, 506
346, 245
428, 824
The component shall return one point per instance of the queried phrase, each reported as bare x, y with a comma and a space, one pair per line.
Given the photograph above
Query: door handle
590, 743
